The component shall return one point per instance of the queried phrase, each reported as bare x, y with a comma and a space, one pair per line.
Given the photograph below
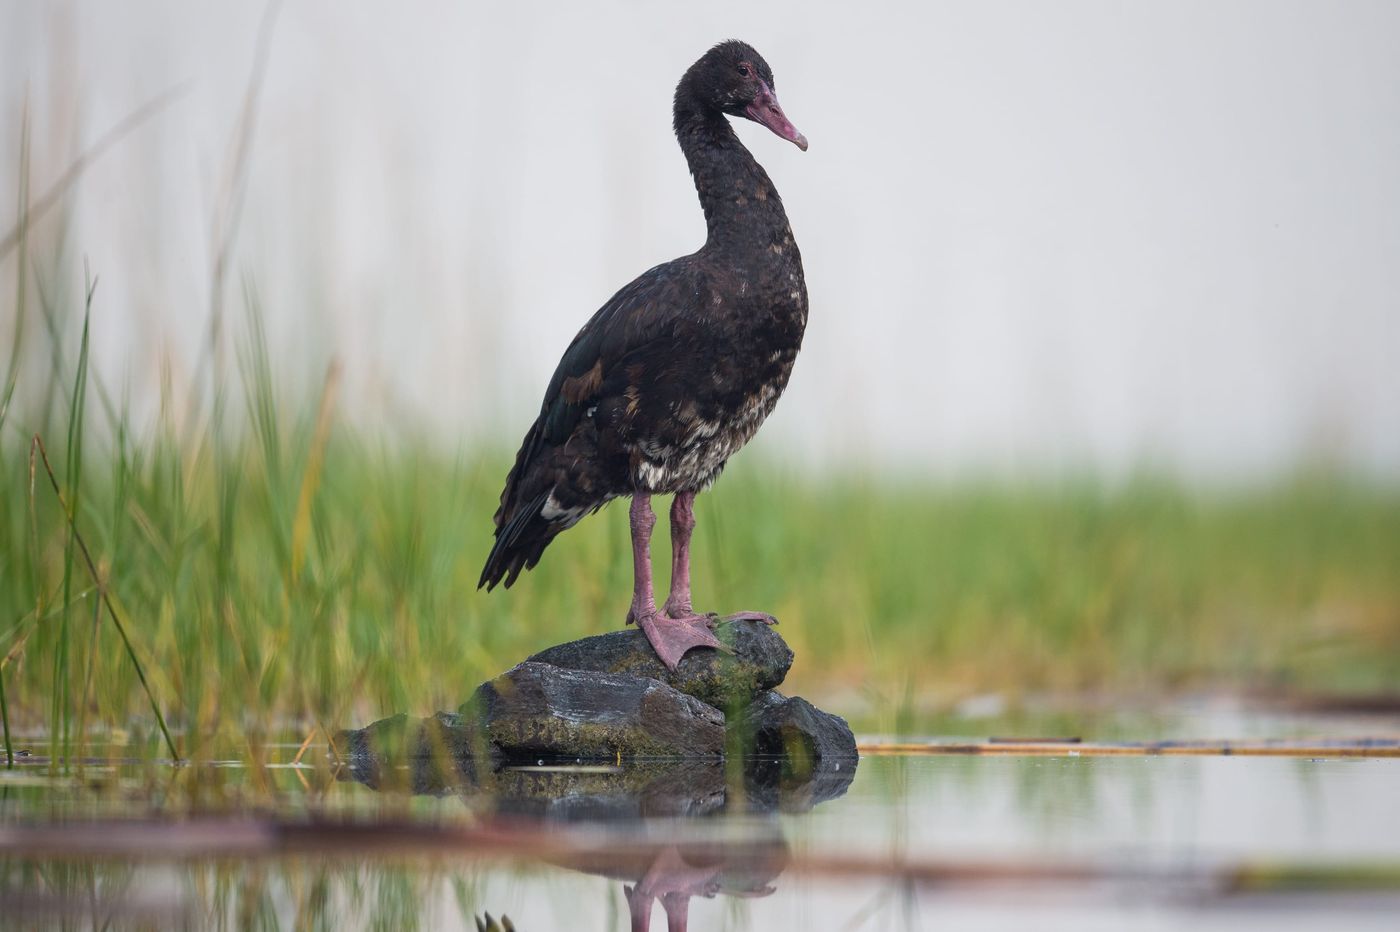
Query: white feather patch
554, 511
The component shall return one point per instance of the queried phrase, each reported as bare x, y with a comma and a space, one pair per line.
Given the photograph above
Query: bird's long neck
742, 208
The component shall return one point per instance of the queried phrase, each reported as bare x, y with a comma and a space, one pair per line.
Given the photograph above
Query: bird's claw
764, 617
672, 637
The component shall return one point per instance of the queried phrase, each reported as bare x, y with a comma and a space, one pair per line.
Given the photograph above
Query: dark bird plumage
677, 370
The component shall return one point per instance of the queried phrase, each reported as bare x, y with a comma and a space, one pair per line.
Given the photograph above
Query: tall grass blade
12, 368
105, 596
5, 720
50, 198
86, 695
229, 211
60, 737
21, 272
311, 475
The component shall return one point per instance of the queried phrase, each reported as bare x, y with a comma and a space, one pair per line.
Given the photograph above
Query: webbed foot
672, 637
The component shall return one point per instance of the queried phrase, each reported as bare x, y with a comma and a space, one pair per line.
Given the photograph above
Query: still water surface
917, 842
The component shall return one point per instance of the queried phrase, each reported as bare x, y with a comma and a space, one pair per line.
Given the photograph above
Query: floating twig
1039, 747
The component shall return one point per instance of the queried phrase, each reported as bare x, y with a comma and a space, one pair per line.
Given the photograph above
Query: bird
678, 370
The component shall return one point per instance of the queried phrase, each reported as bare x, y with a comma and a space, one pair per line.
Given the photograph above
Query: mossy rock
759, 662
424, 755
537, 711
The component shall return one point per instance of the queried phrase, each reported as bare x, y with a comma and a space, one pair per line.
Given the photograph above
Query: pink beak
765, 110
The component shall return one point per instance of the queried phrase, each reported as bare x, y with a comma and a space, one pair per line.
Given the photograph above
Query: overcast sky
1037, 235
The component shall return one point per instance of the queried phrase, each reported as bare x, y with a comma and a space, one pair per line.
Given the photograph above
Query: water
904, 842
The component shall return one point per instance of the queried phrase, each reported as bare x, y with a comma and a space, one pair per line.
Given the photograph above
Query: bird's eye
746, 71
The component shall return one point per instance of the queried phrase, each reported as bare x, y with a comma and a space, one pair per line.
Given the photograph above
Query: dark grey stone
541, 711
423, 755
775, 725
796, 755
760, 660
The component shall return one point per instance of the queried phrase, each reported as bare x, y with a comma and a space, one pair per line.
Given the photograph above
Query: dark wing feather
632, 318
640, 314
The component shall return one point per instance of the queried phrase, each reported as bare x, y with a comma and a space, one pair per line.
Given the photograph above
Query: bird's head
733, 78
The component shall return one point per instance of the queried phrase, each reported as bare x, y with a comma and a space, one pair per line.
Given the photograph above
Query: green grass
286, 572
249, 565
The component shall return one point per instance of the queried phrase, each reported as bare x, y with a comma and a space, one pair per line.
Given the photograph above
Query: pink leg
682, 524
638, 907
670, 637
678, 603
677, 906
642, 521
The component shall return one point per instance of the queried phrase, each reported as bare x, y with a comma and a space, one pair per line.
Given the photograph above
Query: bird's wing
640, 314
645, 311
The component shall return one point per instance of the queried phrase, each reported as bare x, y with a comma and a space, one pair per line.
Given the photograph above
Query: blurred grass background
270, 565
276, 570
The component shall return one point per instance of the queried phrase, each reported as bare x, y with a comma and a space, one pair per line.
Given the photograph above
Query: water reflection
673, 830
1065, 842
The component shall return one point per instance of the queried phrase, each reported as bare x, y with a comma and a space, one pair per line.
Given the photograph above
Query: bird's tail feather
519, 543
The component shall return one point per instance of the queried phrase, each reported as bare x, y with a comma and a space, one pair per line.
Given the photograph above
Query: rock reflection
672, 830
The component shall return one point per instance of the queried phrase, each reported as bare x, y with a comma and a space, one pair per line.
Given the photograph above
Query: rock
424, 755
780, 726
760, 660
541, 711
798, 755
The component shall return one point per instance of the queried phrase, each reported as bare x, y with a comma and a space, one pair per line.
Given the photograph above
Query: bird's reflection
671, 830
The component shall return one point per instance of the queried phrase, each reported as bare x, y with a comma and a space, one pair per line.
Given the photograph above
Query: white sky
1037, 235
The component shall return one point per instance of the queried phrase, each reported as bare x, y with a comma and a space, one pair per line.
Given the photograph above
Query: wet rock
775, 725
541, 711
760, 660
430, 755
772, 784
798, 755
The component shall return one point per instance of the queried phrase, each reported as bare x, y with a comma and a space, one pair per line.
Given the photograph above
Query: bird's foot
764, 617
683, 612
672, 637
